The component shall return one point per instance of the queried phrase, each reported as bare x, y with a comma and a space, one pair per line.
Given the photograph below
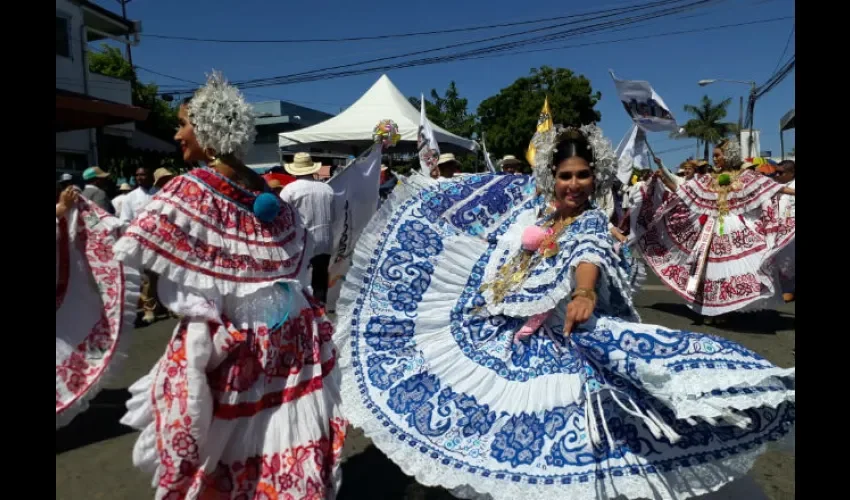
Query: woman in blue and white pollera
490, 346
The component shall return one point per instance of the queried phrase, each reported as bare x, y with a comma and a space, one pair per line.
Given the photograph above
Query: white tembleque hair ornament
604, 163
223, 120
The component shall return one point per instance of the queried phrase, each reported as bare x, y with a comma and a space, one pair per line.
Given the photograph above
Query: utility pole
751, 113
741, 115
129, 43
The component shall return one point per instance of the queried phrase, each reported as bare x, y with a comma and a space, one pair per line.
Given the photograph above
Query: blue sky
673, 64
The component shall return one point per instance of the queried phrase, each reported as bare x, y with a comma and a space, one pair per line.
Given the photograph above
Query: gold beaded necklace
515, 271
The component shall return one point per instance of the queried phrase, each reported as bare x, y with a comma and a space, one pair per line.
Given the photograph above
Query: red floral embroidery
63, 255
159, 225
668, 230
270, 353
699, 193
87, 363
305, 471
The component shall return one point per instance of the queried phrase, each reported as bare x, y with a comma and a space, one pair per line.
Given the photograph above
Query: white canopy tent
353, 127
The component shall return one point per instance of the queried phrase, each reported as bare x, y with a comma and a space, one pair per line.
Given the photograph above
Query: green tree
706, 125
509, 118
451, 112
162, 118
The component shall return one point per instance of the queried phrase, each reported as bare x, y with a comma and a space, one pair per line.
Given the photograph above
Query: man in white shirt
447, 167
97, 182
123, 189
130, 208
138, 197
313, 200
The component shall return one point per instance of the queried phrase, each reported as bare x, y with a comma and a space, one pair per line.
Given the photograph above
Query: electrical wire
324, 73
387, 36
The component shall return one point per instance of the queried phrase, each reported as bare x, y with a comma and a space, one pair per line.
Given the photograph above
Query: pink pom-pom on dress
532, 237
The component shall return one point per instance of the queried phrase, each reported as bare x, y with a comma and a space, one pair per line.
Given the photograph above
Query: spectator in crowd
123, 190
447, 167
138, 197
313, 200
97, 184
510, 165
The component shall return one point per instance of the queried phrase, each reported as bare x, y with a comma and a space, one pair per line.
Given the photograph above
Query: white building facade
88, 104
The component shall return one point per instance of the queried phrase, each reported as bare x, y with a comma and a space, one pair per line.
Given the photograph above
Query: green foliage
509, 118
162, 119
706, 125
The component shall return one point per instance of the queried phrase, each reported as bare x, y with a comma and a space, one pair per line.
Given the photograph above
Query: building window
63, 39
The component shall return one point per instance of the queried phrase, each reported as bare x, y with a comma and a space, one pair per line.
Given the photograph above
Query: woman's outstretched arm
580, 308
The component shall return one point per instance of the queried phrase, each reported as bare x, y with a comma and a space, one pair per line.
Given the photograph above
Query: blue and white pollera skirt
620, 409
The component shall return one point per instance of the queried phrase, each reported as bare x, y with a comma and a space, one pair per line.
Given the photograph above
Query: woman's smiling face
573, 183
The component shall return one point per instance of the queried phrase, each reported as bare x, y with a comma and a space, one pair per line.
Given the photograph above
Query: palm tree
706, 125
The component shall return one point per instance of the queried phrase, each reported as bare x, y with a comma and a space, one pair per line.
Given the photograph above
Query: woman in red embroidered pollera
96, 300
712, 239
245, 401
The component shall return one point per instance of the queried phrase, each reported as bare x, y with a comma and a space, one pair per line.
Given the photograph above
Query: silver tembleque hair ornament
222, 119
732, 154
604, 162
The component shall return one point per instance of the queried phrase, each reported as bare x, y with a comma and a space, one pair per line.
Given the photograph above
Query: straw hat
509, 160
94, 173
447, 158
161, 176
124, 187
302, 164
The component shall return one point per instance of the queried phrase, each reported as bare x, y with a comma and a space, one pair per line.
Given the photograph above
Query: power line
382, 37
603, 15
671, 150
498, 50
323, 73
601, 42
787, 43
643, 37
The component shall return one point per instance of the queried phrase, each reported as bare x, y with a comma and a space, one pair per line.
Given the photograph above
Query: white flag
355, 202
429, 150
490, 167
632, 153
644, 106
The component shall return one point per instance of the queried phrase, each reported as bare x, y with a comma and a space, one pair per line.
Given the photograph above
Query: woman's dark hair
788, 165
574, 144
186, 101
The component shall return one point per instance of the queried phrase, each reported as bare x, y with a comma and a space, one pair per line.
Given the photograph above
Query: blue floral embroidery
455, 430
519, 441
412, 393
420, 240
380, 375
384, 333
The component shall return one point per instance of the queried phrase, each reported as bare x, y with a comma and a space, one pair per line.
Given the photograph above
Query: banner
544, 123
355, 202
426, 143
632, 153
644, 106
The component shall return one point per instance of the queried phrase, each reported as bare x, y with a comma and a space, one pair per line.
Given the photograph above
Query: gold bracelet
586, 293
